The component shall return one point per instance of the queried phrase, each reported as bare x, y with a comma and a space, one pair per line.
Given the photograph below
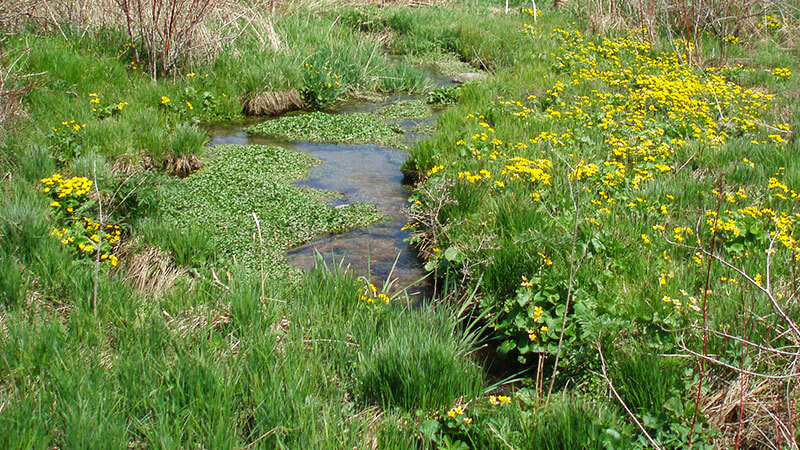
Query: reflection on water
363, 174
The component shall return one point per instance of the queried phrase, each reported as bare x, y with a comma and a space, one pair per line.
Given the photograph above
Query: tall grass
418, 363
226, 367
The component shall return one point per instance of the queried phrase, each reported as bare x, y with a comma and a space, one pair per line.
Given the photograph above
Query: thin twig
738, 369
750, 343
491, 428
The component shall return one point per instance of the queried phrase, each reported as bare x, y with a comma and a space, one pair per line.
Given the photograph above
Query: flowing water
362, 174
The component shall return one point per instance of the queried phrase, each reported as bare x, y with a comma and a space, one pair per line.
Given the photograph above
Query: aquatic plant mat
356, 128
239, 181
405, 109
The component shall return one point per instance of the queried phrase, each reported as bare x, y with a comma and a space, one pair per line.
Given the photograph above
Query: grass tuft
417, 363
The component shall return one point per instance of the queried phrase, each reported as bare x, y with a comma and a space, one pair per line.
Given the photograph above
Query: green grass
416, 364
224, 358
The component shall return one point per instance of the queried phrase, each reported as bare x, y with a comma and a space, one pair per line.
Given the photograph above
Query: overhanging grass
418, 363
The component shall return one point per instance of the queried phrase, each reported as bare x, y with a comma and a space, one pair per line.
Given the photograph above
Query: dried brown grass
200, 317
55, 14
272, 103
171, 32
199, 321
182, 166
14, 86
763, 407
688, 18
150, 270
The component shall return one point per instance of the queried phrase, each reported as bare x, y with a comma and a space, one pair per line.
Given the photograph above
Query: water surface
361, 174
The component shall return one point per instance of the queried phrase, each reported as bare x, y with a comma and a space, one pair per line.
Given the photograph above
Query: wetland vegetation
606, 214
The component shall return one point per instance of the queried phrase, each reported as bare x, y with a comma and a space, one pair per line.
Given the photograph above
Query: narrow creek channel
363, 173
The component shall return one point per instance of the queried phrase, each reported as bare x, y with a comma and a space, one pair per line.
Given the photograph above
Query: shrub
165, 28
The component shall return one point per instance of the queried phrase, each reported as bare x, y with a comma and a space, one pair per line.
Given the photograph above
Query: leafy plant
321, 86
67, 140
444, 95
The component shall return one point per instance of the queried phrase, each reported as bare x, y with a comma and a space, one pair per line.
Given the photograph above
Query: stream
362, 173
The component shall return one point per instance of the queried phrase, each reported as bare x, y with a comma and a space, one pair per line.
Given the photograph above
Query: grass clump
238, 181
418, 364
357, 128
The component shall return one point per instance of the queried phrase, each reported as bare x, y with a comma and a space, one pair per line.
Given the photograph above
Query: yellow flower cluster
499, 399
781, 72
59, 187
70, 126
530, 11
435, 170
731, 39
772, 22
371, 295
82, 234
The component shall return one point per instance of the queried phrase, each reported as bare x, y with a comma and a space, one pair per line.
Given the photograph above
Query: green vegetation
444, 95
239, 181
611, 219
356, 128
405, 109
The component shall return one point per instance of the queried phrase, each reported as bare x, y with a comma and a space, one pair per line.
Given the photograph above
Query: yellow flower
55, 204
165, 100
455, 412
